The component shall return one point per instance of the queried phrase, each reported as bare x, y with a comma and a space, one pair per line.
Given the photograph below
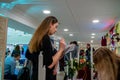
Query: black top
15, 51
48, 52
118, 76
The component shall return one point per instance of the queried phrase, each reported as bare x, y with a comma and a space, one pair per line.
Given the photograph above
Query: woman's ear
51, 25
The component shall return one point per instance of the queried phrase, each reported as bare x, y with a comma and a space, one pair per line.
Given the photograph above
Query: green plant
75, 65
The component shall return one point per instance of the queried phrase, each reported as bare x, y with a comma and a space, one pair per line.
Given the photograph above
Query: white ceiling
76, 15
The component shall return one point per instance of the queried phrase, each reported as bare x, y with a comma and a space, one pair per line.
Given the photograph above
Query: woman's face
53, 28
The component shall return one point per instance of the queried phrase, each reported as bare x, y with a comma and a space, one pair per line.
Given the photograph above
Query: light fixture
66, 30
91, 41
70, 34
46, 11
96, 21
93, 34
92, 37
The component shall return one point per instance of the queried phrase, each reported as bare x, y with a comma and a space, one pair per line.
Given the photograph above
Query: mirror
18, 37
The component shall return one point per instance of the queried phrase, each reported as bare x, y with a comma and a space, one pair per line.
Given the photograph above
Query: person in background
16, 50
88, 60
74, 51
82, 52
22, 50
10, 65
88, 51
107, 64
7, 53
41, 42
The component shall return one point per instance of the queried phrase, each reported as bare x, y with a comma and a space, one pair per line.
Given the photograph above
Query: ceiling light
92, 37
95, 21
46, 11
91, 41
65, 29
93, 34
70, 34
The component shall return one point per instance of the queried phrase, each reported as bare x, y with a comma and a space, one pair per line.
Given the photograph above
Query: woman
41, 42
107, 64
16, 50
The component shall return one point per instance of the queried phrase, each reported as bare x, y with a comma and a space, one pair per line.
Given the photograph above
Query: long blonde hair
40, 32
106, 64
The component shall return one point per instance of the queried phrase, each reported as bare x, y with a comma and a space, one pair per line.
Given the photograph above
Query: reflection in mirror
17, 43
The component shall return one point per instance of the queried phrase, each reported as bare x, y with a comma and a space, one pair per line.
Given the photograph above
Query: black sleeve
28, 55
47, 50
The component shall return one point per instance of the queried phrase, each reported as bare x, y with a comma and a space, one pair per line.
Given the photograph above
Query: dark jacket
118, 75
48, 52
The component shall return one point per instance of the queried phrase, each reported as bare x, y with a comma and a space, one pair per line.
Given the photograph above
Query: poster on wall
3, 35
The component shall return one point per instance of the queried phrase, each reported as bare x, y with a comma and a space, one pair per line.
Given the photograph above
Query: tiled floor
60, 76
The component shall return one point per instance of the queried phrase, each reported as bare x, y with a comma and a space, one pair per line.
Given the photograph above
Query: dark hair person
16, 50
107, 64
41, 42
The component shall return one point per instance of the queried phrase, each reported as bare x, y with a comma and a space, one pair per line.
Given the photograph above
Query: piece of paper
69, 48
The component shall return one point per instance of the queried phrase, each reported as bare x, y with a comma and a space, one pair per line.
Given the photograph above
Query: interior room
93, 23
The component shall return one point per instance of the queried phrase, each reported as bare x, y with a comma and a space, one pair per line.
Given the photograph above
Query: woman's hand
55, 72
59, 53
62, 44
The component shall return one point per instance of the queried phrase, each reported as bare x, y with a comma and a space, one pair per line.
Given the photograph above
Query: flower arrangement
74, 65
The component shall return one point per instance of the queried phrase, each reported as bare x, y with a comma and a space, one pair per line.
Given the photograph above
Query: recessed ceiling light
92, 37
95, 21
93, 34
65, 29
70, 34
91, 41
46, 11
